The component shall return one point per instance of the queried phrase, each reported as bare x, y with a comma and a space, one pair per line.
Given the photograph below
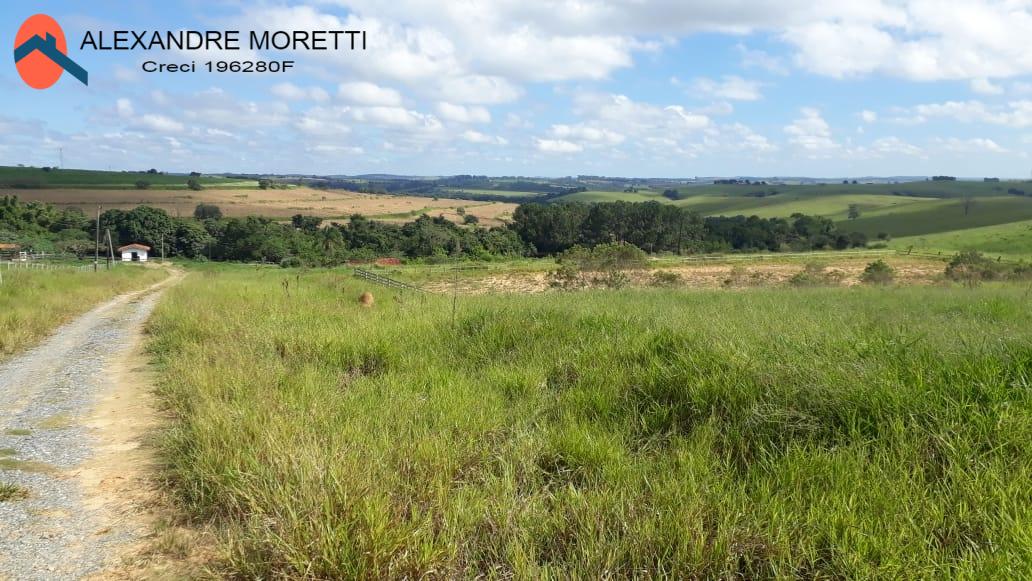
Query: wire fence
36, 265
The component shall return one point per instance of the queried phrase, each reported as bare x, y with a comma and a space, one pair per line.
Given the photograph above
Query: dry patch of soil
739, 275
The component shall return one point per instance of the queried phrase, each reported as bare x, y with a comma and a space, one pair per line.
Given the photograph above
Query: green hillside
1012, 240
38, 178
943, 216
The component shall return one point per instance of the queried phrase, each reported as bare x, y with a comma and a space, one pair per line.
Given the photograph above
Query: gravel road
64, 528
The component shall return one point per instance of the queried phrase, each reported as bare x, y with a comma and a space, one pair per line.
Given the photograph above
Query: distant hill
50, 178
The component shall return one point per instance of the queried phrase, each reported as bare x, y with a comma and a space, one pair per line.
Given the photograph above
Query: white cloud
868, 116
584, 133
397, 117
159, 123
811, 132
124, 107
292, 92
895, 145
463, 114
758, 59
477, 137
365, 93
558, 146
973, 145
1013, 114
985, 87
729, 87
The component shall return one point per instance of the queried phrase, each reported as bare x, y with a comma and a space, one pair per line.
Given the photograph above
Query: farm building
134, 252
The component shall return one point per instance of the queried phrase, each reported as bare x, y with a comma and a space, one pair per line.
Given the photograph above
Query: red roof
133, 246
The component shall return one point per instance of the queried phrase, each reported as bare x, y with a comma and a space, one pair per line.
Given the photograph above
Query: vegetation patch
10, 492
802, 432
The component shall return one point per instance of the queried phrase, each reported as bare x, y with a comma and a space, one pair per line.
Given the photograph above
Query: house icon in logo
41, 53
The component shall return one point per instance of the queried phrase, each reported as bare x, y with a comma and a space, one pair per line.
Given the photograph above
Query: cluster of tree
43, 226
943, 179
656, 227
738, 182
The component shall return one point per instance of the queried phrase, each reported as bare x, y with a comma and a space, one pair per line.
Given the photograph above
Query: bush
142, 185
665, 278
814, 274
878, 272
971, 268
194, 185
470, 219
290, 262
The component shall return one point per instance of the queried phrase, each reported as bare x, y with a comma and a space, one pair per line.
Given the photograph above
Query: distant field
506, 193
943, 216
1013, 240
280, 204
832, 206
32, 178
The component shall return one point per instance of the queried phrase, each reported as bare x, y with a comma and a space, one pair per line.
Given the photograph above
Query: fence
385, 281
16, 265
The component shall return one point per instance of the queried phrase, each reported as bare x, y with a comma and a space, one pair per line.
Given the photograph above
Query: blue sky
565, 87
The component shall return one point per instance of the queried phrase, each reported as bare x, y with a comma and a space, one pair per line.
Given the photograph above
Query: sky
636, 88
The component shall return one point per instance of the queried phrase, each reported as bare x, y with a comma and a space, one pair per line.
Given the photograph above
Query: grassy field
1012, 240
34, 303
942, 216
33, 177
831, 433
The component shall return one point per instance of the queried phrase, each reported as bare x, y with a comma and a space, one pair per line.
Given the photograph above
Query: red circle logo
37, 69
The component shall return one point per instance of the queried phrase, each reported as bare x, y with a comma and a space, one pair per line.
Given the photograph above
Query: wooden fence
386, 281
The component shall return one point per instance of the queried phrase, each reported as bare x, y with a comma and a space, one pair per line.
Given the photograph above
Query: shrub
194, 185
470, 219
290, 262
971, 268
142, 185
878, 272
813, 274
665, 278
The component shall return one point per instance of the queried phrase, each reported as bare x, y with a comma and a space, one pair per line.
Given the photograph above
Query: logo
41, 53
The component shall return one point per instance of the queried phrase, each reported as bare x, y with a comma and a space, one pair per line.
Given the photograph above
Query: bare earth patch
736, 275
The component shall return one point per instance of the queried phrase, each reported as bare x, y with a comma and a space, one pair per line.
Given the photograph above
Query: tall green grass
34, 303
833, 433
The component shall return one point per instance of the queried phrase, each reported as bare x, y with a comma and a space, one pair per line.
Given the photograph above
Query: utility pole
111, 249
96, 250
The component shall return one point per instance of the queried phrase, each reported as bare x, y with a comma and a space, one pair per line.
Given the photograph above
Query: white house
134, 252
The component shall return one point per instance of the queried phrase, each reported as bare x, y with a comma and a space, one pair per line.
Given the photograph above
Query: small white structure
134, 252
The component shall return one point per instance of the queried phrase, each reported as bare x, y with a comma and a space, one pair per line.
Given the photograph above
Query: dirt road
73, 413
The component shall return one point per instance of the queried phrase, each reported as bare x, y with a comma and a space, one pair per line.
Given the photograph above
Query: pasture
767, 432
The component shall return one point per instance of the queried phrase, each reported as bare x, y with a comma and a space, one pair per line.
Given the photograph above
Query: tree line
536, 230
655, 227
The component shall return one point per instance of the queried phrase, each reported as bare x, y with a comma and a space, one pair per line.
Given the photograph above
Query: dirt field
275, 203
742, 275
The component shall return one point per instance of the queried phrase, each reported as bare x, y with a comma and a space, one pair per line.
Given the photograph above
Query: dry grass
275, 203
